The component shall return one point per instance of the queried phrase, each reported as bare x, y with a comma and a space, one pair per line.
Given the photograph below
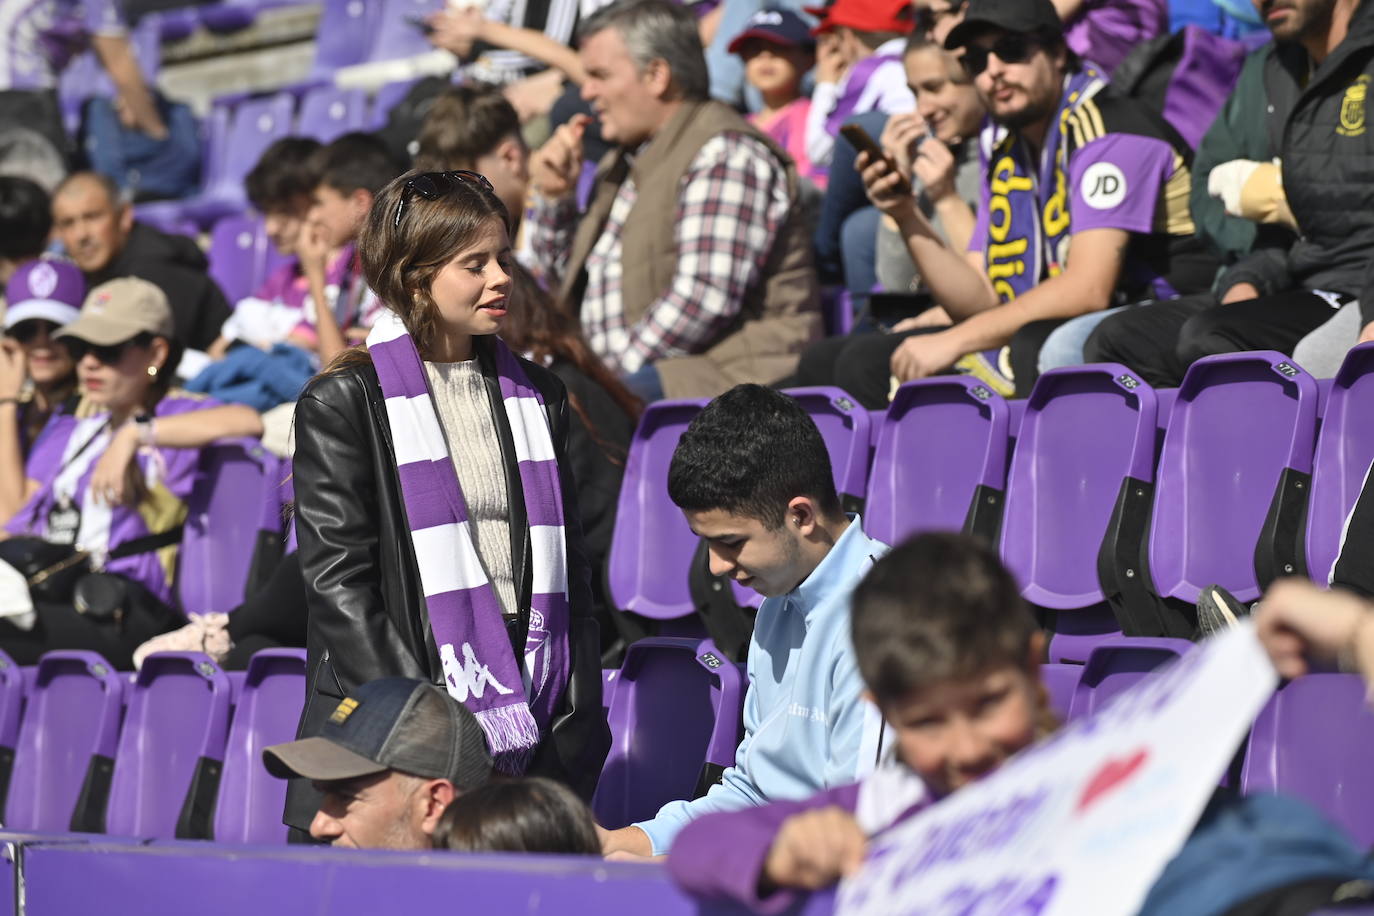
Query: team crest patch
1352, 108
343, 711
43, 280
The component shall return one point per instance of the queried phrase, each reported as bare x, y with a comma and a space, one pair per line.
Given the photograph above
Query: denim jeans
844, 196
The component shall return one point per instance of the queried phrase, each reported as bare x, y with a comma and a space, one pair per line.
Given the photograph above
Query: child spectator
351, 171
518, 815
777, 49
865, 45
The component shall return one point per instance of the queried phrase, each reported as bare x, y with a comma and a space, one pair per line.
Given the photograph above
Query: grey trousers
1322, 352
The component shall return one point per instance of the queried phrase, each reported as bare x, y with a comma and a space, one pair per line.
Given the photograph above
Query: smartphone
421, 23
860, 140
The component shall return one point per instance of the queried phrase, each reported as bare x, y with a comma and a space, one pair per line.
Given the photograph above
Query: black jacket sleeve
1353, 570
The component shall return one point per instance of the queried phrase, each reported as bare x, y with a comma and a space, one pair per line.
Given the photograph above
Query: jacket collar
835, 573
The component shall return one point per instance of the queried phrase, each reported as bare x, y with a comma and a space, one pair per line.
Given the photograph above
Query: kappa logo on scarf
470, 677
1352, 108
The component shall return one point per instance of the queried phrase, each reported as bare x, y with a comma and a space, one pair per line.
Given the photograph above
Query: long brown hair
401, 258
537, 327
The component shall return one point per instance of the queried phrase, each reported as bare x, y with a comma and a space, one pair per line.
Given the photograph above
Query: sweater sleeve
721, 856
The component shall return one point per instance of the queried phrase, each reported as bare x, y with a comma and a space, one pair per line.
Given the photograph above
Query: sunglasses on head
105, 354
26, 331
434, 185
1010, 48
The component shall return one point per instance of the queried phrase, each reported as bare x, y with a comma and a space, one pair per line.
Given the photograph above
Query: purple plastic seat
844, 426
652, 547
1081, 478
267, 712
1315, 740
1116, 665
1240, 440
228, 15
1061, 681
1345, 450
396, 36
66, 745
225, 513
175, 24
171, 752
940, 463
610, 680
327, 111
387, 98
344, 35
11, 713
253, 126
676, 720
237, 249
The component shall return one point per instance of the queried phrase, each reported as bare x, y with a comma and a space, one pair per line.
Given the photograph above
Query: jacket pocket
326, 681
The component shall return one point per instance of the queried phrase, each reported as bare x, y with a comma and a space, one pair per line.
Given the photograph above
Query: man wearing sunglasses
1084, 205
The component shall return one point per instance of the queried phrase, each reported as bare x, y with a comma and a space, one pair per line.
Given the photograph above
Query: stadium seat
675, 724
652, 547
1080, 483
233, 513
844, 426
254, 124
344, 36
268, 709
228, 15
237, 253
327, 111
1116, 665
1061, 681
610, 679
1314, 740
397, 36
941, 460
171, 751
1345, 450
65, 757
1234, 477
387, 98
11, 711
175, 24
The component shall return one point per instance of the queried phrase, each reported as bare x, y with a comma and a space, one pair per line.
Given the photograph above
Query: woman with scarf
437, 520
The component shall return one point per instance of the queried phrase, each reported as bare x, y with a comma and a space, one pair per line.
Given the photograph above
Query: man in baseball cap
1024, 16
389, 760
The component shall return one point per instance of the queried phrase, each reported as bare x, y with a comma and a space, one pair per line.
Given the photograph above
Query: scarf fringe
512, 735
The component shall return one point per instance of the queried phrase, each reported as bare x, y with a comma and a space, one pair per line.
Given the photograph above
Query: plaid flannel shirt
733, 199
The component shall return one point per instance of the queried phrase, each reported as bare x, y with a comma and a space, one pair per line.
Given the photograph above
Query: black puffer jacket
1328, 176
368, 617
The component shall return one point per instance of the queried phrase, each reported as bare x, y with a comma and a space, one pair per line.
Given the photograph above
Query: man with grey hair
691, 268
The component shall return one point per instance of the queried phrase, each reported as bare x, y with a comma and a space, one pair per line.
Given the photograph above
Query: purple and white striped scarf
514, 703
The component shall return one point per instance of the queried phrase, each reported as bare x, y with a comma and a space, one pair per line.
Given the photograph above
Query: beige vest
780, 314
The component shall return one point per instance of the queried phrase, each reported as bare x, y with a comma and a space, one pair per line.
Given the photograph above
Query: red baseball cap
868, 16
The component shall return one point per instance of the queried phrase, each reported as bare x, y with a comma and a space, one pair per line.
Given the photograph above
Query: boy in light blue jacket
753, 477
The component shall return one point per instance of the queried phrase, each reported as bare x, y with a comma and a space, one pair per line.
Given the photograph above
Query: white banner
1085, 821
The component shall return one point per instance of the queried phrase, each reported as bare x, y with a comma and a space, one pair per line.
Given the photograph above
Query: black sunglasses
26, 331
927, 16
434, 185
106, 354
1010, 48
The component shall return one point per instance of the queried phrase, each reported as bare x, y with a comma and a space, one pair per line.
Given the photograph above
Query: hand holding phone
421, 23
861, 141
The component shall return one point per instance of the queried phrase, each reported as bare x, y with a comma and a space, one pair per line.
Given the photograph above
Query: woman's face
472, 289
116, 377
49, 362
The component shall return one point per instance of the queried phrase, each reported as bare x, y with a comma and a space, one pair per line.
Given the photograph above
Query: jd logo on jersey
1352, 108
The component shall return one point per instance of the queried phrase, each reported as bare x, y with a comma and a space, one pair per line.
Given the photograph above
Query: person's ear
126, 219
513, 155
801, 516
658, 76
158, 352
436, 795
360, 201
1035, 653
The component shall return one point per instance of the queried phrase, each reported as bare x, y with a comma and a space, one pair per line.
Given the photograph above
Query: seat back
224, 515
396, 36
268, 710
328, 111
1116, 665
237, 254
675, 724
256, 123
844, 427
1086, 431
1315, 740
344, 36
11, 710
1345, 450
940, 462
1061, 681
171, 752
652, 547
67, 740
1236, 464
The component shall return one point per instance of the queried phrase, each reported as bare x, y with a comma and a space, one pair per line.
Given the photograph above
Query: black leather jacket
368, 617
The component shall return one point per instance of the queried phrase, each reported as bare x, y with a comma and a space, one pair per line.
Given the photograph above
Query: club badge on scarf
512, 705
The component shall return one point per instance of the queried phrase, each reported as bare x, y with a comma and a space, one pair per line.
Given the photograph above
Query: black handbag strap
147, 544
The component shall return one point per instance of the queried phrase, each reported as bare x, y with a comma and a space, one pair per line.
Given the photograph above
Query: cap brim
771, 37
318, 759
59, 313
101, 331
966, 31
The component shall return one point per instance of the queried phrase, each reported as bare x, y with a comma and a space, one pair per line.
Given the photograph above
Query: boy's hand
1299, 623
313, 252
626, 840
557, 165
814, 850
830, 62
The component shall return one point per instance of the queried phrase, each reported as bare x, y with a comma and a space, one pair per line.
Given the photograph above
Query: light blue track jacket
806, 726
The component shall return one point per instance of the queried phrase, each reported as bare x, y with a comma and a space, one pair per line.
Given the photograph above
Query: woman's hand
934, 166
933, 317
14, 368
457, 30
884, 186
111, 480
1300, 623
901, 140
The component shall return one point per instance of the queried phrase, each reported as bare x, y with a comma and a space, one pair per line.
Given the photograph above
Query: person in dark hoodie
98, 230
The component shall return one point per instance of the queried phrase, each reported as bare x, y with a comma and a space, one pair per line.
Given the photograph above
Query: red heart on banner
1112, 774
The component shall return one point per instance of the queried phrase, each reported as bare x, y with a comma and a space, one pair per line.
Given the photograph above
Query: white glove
1227, 180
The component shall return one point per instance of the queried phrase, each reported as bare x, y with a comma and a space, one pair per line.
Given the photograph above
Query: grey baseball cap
392, 723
